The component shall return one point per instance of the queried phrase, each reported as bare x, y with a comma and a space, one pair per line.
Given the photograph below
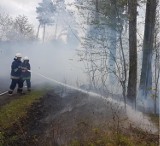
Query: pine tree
45, 11
132, 81
146, 73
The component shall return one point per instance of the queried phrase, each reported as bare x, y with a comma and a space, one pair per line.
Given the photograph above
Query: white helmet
26, 58
18, 55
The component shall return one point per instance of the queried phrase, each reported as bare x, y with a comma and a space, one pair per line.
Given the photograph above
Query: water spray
136, 117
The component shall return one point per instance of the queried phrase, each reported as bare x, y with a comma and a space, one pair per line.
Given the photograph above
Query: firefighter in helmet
26, 75
16, 75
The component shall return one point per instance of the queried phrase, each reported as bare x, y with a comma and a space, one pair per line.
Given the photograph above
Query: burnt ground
62, 116
72, 115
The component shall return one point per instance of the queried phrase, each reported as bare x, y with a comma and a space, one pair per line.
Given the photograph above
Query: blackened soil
31, 130
61, 117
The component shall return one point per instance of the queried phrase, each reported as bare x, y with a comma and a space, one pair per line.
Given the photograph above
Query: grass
155, 118
17, 109
13, 113
104, 139
110, 139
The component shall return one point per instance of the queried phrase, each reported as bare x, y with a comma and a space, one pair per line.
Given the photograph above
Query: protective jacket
16, 69
25, 73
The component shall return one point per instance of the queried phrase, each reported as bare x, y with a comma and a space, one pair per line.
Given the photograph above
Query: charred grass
123, 137
20, 126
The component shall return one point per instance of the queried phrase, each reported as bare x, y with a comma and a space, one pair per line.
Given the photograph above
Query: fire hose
60, 83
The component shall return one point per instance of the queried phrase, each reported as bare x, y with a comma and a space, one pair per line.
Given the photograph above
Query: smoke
59, 63
51, 59
136, 118
149, 104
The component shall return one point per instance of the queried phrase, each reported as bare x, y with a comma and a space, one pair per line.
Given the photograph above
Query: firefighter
16, 75
26, 75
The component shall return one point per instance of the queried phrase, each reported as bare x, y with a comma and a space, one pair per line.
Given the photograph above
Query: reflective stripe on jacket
13, 77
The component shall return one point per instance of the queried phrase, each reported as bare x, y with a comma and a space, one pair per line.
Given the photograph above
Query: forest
87, 55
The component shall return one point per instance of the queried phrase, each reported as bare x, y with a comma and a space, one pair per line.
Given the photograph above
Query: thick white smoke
56, 61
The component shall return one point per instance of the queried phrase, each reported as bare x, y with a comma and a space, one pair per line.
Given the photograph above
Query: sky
21, 7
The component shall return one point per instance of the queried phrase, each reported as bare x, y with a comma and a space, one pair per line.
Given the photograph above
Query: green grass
17, 109
14, 112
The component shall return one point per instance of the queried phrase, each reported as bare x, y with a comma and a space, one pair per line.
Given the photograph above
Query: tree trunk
97, 12
146, 72
112, 41
112, 56
132, 81
44, 31
38, 30
55, 33
156, 76
97, 8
